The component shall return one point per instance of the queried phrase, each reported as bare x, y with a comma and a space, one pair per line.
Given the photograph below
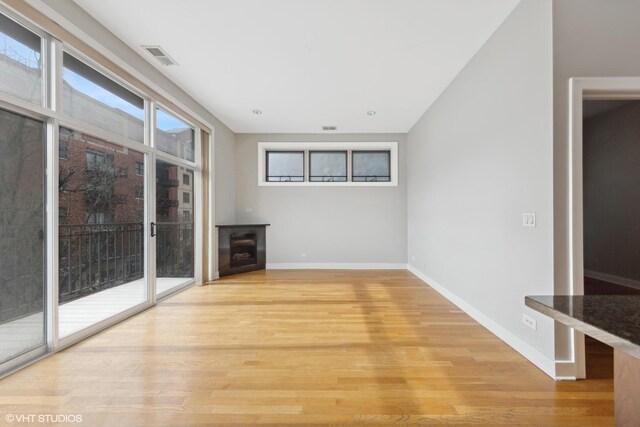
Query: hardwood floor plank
303, 347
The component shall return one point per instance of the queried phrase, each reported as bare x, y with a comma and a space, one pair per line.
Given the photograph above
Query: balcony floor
28, 332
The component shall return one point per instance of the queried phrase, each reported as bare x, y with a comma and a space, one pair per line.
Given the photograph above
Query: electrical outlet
413, 258
304, 254
529, 321
249, 210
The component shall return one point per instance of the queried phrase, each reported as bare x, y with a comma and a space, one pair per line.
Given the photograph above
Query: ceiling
306, 63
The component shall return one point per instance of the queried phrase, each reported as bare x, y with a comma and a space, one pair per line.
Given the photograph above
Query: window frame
307, 147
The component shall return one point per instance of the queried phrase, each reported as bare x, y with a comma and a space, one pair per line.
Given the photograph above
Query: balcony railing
99, 256
94, 257
174, 249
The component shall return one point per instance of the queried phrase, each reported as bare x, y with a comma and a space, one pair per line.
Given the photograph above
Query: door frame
581, 89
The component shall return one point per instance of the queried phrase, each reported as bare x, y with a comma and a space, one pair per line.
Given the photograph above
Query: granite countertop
612, 319
241, 225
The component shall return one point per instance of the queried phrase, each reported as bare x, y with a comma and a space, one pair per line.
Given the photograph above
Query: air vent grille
160, 54
329, 128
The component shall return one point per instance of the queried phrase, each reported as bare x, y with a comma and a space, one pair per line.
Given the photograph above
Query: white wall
478, 159
611, 154
330, 224
591, 38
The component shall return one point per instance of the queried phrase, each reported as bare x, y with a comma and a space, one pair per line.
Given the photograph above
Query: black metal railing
327, 178
95, 257
285, 178
174, 249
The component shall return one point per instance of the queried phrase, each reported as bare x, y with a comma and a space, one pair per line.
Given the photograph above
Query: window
371, 166
173, 136
63, 150
186, 179
139, 192
186, 197
139, 168
94, 98
20, 61
98, 218
186, 216
96, 161
285, 166
327, 166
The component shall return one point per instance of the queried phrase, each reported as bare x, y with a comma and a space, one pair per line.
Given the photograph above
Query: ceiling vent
160, 55
329, 128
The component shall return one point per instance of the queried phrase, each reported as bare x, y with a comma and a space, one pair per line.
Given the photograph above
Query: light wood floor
295, 347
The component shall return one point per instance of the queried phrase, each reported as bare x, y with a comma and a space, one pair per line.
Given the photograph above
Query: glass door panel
174, 229
22, 231
101, 226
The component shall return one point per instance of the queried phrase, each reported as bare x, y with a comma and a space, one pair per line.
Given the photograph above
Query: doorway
600, 184
611, 204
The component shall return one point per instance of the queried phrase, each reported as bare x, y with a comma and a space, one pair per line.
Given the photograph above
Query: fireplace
241, 248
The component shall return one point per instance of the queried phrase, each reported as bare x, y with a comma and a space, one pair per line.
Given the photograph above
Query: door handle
153, 229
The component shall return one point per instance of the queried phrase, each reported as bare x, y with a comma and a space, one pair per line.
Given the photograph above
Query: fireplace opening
243, 248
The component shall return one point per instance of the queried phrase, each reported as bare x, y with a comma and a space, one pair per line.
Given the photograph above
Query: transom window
20, 61
371, 166
174, 136
94, 98
328, 163
328, 166
285, 166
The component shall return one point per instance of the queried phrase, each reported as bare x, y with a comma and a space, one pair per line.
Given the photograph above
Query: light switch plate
529, 219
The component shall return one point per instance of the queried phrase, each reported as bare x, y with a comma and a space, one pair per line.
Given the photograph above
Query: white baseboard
566, 370
612, 279
334, 266
546, 364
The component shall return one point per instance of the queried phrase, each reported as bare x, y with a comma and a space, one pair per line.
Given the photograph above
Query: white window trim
263, 147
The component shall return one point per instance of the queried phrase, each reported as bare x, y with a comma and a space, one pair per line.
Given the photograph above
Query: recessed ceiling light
258, 112
371, 113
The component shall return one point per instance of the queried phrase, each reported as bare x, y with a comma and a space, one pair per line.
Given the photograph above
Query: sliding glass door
22, 235
97, 195
101, 230
174, 230
175, 202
